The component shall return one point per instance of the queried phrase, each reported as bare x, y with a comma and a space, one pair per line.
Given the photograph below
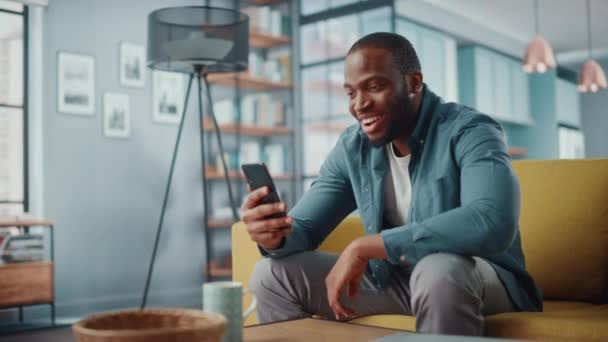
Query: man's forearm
369, 247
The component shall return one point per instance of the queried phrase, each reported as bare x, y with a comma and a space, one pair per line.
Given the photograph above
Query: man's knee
267, 273
442, 278
270, 272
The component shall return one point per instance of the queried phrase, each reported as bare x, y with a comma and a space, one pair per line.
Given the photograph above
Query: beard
403, 118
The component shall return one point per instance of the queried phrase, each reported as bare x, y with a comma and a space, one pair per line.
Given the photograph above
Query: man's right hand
267, 233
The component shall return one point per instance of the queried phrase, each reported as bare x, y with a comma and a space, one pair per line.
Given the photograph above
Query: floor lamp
198, 41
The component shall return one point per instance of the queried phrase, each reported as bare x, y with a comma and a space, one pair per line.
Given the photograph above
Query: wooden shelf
219, 224
214, 174
216, 270
26, 283
250, 130
517, 151
263, 40
26, 222
248, 82
332, 127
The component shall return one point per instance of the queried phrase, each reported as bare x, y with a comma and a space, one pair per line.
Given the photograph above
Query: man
438, 199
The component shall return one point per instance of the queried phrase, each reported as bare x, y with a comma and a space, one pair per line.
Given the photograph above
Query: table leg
53, 275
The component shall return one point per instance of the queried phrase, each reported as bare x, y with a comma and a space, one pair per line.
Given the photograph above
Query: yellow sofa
564, 230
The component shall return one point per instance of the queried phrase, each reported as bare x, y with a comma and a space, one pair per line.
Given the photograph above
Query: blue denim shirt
465, 197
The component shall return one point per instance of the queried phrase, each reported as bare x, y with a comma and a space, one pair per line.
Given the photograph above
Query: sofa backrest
564, 226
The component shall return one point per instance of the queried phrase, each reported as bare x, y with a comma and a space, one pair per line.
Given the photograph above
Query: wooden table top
310, 329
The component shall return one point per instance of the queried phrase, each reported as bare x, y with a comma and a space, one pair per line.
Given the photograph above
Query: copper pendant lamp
539, 54
592, 77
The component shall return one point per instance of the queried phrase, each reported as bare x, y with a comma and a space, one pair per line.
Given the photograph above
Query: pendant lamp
592, 77
539, 54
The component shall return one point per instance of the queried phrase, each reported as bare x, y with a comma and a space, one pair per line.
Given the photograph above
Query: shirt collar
425, 114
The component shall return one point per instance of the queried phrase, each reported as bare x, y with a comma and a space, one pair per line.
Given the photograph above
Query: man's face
378, 95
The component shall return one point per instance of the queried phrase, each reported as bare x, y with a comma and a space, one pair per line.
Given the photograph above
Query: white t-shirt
397, 188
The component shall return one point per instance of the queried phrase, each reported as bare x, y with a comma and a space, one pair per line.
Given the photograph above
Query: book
250, 152
225, 111
275, 158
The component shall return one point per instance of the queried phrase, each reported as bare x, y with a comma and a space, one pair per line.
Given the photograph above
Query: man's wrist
368, 247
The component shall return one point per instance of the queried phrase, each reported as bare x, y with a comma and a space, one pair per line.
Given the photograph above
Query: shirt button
402, 258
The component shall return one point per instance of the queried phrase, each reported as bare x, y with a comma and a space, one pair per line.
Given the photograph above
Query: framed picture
76, 84
167, 96
132, 65
116, 115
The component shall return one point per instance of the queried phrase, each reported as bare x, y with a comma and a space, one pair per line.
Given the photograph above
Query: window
325, 40
13, 198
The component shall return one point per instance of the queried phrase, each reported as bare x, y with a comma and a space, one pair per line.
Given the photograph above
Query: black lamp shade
191, 38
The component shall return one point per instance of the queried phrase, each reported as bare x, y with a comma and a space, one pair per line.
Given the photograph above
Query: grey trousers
448, 293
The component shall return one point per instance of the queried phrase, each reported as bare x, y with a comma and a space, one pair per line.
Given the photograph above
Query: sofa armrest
245, 253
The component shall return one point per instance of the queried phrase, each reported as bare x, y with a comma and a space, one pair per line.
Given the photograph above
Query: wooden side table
28, 283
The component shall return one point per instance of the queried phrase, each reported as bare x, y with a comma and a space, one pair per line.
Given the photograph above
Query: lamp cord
221, 147
167, 189
536, 17
589, 41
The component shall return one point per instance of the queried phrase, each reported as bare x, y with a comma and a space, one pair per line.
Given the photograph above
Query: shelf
220, 224
331, 127
250, 130
262, 40
17, 222
216, 270
248, 82
214, 174
517, 151
26, 283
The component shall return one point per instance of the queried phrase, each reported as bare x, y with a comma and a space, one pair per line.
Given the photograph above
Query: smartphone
257, 176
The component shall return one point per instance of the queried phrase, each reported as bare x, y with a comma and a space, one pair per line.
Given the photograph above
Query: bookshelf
214, 174
246, 81
250, 130
263, 40
217, 270
255, 110
24, 283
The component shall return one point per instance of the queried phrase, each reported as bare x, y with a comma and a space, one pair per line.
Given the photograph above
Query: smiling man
438, 199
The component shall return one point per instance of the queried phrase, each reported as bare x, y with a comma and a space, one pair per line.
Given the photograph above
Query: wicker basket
154, 325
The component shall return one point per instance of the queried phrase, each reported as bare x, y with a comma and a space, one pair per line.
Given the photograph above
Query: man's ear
414, 81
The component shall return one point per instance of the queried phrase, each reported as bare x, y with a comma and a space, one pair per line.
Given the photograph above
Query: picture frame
116, 115
75, 83
167, 96
132, 65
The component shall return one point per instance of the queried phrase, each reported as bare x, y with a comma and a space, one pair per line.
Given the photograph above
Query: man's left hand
347, 271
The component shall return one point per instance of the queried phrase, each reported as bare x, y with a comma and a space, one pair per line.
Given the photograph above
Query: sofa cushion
589, 324
562, 321
564, 226
559, 305
399, 322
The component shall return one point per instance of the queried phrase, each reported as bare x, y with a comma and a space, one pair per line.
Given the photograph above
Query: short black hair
398, 46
